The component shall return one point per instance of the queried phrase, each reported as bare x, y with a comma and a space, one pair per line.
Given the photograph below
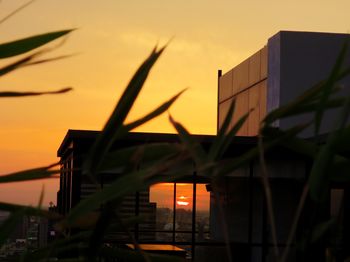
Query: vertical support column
217, 113
174, 213
137, 212
346, 217
250, 212
194, 203
265, 239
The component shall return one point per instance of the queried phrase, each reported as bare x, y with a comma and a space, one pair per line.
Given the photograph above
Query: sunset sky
112, 39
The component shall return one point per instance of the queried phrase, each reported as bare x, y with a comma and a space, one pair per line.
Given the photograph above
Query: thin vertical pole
137, 212
265, 244
174, 213
217, 111
251, 192
194, 203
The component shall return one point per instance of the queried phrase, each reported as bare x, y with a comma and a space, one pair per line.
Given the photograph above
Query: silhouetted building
288, 65
74, 186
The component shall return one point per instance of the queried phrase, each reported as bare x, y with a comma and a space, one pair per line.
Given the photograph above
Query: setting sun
182, 201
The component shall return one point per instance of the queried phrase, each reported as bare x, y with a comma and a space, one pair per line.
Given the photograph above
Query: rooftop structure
289, 64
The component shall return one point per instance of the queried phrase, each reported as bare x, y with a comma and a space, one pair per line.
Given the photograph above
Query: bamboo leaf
10, 94
321, 229
327, 89
120, 187
125, 184
41, 198
27, 44
304, 102
118, 116
301, 146
195, 149
47, 60
308, 96
219, 139
30, 174
158, 111
227, 166
124, 129
150, 153
221, 144
17, 64
343, 142
2, 20
29, 61
310, 107
319, 175
226, 124
340, 170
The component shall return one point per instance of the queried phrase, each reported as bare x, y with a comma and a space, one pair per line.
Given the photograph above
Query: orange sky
163, 195
112, 39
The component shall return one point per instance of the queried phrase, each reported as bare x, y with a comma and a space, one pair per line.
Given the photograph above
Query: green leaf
10, 94
120, 187
226, 124
305, 102
128, 183
321, 229
27, 44
30, 174
292, 107
8, 16
17, 64
29, 61
343, 142
298, 145
220, 137
340, 170
310, 107
115, 122
150, 153
195, 149
46, 60
122, 131
158, 111
41, 198
327, 89
319, 175
227, 166
222, 141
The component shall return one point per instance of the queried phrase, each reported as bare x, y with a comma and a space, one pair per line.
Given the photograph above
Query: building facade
288, 65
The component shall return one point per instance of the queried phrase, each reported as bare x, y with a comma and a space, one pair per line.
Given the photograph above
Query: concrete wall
297, 61
246, 83
291, 63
